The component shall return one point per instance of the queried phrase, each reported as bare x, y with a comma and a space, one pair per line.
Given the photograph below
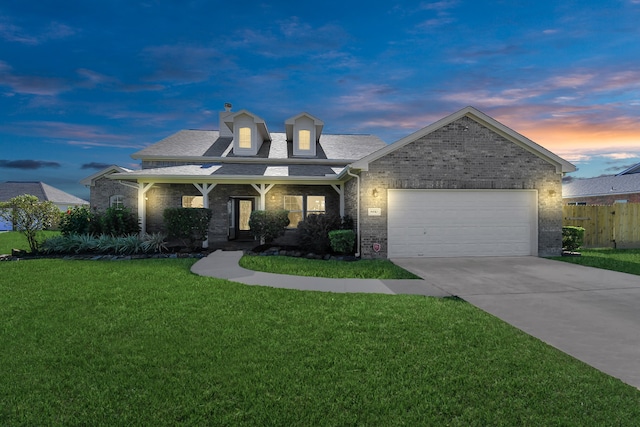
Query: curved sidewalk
224, 265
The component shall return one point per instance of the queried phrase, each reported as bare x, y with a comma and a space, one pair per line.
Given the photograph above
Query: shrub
154, 243
572, 237
119, 222
342, 241
190, 225
105, 244
313, 232
268, 225
79, 220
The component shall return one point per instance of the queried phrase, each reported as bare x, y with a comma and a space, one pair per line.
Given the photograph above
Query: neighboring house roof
42, 191
474, 114
632, 170
602, 185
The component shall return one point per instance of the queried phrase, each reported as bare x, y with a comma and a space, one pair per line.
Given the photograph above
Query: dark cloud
619, 167
94, 165
27, 164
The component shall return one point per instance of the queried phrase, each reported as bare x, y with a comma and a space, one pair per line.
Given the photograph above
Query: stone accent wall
461, 155
605, 200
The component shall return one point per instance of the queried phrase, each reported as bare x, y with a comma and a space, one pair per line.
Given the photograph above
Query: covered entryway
453, 223
240, 209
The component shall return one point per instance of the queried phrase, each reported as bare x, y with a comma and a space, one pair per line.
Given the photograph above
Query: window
304, 139
621, 201
301, 206
293, 204
116, 201
192, 202
577, 204
315, 205
245, 138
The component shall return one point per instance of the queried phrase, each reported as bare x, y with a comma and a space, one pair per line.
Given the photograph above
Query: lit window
192, 202
116, 201
293, 204
301, 206
245, 138
304, 140
315, 205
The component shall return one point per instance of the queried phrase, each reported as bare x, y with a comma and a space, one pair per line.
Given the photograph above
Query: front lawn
362, 269
624, 260
146, 342
15, 240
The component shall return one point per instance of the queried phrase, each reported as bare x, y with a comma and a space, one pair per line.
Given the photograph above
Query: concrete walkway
588, 313
224, 265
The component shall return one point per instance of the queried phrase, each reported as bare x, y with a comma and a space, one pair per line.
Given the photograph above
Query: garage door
446, 223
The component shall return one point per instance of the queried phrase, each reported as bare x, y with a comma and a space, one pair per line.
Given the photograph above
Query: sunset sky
84, 84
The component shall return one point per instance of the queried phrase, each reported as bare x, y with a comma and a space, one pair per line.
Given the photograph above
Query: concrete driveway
591, 314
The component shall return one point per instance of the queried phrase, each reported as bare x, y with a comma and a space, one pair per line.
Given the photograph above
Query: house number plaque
375, 211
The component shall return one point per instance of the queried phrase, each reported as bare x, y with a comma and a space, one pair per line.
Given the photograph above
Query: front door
239, 214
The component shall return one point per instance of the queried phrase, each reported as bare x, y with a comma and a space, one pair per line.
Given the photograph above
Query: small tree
268, 225
29, 216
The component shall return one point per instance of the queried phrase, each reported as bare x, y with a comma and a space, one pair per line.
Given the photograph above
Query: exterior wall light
374, 193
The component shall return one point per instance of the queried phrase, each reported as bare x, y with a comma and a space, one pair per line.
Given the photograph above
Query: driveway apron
588, 313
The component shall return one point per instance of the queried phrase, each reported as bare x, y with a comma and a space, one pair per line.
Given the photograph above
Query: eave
247, 160
226, 179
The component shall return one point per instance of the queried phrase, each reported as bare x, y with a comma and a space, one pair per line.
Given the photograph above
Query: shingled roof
42, 191
205, 143
602, 185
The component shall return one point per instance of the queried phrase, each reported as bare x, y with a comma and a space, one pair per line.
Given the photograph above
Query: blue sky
84, 84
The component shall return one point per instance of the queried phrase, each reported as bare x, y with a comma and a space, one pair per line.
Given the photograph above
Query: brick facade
162, 196
104, 188
461, 155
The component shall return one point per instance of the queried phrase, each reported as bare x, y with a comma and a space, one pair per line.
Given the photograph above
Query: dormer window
304, 139
303, 131
249, 132
245, 138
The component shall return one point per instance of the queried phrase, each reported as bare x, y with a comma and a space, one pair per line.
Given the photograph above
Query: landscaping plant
342, 241
189, 225
268, 225
313, 232
572, 238
30, 216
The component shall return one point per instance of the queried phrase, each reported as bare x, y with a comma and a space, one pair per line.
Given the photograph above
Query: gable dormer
249, 132
304, 132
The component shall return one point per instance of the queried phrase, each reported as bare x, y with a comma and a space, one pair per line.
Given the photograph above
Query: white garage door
446, 223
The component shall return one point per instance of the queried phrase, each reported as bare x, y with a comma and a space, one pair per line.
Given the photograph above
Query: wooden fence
616, 226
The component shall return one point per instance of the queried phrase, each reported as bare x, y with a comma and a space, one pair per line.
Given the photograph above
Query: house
42, 191
465, 185
604, 190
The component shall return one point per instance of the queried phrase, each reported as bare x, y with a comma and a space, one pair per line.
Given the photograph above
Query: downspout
357, 177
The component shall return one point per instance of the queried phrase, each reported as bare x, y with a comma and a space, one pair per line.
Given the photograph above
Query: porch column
263, 189
204, 189
142, 205
340, 190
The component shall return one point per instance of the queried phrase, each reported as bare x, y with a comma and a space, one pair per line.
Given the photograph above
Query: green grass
361, 269
16, 240
146, 342
624, 260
